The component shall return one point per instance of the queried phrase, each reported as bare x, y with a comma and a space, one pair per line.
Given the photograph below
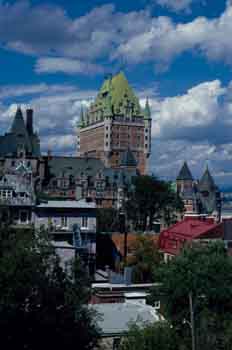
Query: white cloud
73, 45
164, 40
66, 65
177, 5
197, 108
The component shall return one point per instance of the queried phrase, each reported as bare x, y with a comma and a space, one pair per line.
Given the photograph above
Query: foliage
145, 260
41, 305
149, 200
158, 336
206, 272
107, 220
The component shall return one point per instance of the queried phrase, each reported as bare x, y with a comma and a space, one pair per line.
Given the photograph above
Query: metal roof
68, 204
117, 317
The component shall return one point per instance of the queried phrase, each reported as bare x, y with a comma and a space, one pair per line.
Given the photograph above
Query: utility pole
192, 321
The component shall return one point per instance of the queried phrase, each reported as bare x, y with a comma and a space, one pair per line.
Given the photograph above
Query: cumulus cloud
177, 117
177, 5
65, 65
165, 40
76, 44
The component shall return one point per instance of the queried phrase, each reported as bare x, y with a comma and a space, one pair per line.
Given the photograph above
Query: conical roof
207, 181
18, 125
128, 159
185, 173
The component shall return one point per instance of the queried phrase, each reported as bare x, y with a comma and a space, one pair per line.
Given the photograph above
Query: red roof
173, 239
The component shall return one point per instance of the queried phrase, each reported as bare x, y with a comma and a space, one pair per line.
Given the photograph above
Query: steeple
185, 173
147, 110
18, 125
207, 181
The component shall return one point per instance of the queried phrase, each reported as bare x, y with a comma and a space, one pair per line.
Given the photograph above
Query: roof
74, 166
173, 239
115, 98
128, 159
116, 317
132, 238
68, 204
18, 135
207, 181
18, 125
185, 173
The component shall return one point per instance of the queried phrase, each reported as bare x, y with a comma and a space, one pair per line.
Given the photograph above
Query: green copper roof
147, 110
116, 96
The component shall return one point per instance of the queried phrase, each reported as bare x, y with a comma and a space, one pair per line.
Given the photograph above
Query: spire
207, 181
147, 110
18, 125
185, 173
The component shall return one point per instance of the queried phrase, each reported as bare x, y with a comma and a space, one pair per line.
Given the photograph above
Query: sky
55, 54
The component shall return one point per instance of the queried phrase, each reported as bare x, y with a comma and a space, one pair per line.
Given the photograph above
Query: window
84, 222
107, 144
13, 163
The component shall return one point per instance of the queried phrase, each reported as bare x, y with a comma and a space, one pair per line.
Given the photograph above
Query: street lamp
191, 322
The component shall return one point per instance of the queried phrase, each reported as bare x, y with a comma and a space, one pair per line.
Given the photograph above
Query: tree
206, 273
150, 199
160, 336
145, 260
41, 305
107, 220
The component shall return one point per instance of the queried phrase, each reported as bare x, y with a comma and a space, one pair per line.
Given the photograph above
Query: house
192, 228
115, 320
17, 197
73, 222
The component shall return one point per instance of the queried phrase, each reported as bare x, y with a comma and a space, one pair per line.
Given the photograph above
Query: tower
116, 126
184, 180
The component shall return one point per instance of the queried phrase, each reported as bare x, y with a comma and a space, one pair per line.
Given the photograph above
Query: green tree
41, 305
149, 200
160, 336
205, 272
107, 220
145, 260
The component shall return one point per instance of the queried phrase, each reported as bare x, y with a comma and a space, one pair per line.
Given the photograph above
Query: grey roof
185, 173
81, 204
18, 135
74, 166
128, 159
207, 181
18, 125
115, 318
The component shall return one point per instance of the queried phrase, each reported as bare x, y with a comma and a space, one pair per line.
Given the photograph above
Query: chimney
29, 121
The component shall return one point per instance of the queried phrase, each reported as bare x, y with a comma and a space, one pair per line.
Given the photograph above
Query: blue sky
54, 56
